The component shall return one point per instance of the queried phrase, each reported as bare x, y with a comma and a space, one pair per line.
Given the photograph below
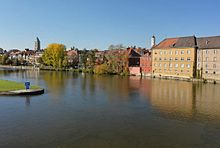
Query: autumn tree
83, 58
91, 59
54, 55
117, 59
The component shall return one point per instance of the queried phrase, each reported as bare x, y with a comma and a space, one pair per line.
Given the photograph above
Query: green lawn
6, 85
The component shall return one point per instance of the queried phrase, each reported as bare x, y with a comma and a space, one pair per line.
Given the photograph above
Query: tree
1, 51
54, 55
116, 47
4, 60
83, 58
117, 61
101, 69
91, 59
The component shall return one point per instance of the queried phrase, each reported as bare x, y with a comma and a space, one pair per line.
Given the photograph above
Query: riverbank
48, 68
17, 88
19, 67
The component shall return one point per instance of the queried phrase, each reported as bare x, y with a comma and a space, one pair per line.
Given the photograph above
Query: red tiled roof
71, 52
167, 43
177, 42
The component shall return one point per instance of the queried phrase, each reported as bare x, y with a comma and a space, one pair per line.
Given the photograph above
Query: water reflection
109, 111
176, 99
28, 101
186, 100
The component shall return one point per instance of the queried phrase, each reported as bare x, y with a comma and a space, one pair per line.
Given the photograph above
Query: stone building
208, 58
175, 57
146, 64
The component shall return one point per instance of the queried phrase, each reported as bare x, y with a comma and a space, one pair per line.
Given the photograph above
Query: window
214, 59
161, 52
182, 59
215, 51
206, 72
188, 52
171, 59
198, 59
198, 65
165, 52
207, 51
182, 65
206, 65
165, 59
214, 72
160, 59
207, 59
176, 52
188, 66
176, 59
171, 52
188, 59
160, 65
155, 59
155, 65
165, 65
214, 65
171, 65
182, 51
176, 65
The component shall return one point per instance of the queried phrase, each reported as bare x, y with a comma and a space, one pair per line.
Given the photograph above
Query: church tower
153, 41
37, 45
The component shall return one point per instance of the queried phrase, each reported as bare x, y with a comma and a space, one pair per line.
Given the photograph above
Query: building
73, 58
37, 45
134, 61
146, 64
208, 58
175, 57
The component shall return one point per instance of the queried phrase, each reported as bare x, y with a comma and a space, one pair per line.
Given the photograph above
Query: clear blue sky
99, 23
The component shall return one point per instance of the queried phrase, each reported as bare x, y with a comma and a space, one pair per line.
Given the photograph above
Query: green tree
91, 59
83, 58
54, 55
1, 50
4, 60
101, 69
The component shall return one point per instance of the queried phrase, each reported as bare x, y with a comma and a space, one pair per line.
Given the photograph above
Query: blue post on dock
27, 85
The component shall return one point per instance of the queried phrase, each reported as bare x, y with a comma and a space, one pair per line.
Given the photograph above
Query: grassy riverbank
6, 86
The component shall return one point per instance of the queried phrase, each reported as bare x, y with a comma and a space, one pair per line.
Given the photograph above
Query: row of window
176, 52
168, 70
210, 72
207, 59
207, 66
176, 59
208, 52
175, 65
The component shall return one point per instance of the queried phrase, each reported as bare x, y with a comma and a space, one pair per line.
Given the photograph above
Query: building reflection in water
184, 100
173, 97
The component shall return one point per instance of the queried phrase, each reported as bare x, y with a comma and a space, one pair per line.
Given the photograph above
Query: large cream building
175, 57
208, 58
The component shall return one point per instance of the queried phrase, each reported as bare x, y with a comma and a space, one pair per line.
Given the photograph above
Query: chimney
153, 41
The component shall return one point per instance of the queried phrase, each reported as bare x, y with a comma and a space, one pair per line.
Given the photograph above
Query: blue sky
99, 23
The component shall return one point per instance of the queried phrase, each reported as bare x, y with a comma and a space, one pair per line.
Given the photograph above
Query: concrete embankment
18, 67
23, 92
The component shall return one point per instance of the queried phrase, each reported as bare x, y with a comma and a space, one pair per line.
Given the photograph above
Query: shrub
101, 69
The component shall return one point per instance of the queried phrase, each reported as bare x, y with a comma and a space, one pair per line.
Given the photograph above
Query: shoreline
12, 88
85, 71
23, 92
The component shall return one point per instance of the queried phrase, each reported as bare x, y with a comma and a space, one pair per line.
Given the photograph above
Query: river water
90, 111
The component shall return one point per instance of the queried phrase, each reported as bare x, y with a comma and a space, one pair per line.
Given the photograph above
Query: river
91, 111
